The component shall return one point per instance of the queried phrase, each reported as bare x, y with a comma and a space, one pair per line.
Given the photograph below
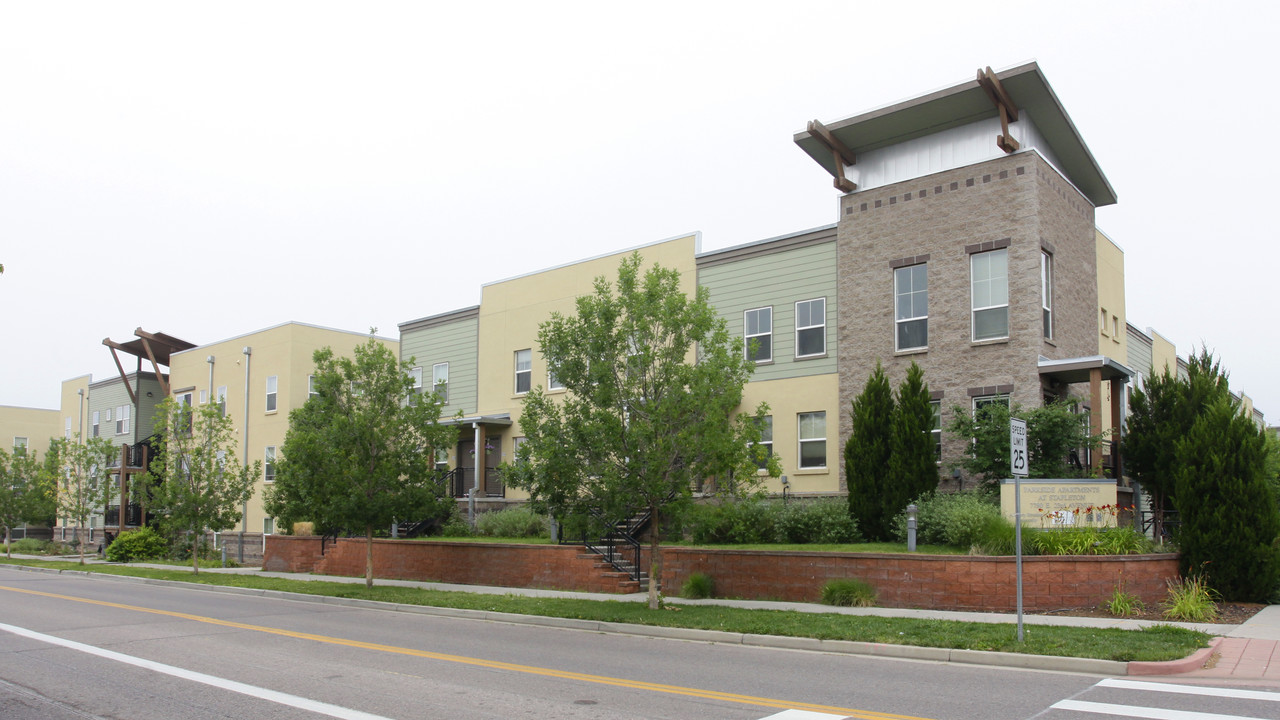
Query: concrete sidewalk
1249, 652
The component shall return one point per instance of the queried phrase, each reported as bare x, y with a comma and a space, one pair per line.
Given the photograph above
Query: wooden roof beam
841, 155
123, 375
990, 84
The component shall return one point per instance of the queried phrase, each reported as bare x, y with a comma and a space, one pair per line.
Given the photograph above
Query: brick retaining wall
940, 582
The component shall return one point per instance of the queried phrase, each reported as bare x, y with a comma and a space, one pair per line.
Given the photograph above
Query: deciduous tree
26, 492
654, 382
84, 479
361, 453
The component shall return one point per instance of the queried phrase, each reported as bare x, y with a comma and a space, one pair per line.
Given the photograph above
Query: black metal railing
132, 516
617, 543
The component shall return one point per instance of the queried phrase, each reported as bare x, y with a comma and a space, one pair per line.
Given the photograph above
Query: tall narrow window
553, 382
440, 381
811, 327
524, 370
813, 439
764, 449
269, 464
97, 425
311, 387
416, 376
989, 272
757, 326
122, 419
19, 445
67, 432
272, 384
911, 300
1046, 293
937, 429
222, 400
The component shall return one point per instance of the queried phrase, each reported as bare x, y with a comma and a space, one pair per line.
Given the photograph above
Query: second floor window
811, 327
122, 419
989, 277
1046, 293
272, 384
911, 311
440, 380
813, 439
757, 326
524, 370
269, 464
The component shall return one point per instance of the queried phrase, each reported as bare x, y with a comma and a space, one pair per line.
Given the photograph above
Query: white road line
1192, 690
257, 692
1133, 711
804, 715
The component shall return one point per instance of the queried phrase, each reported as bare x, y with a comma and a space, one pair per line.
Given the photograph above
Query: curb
1194, 661
1052, 663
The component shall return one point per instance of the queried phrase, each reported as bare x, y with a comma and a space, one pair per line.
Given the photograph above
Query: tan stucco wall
70, 405
1111, 297
284, 351
37, 425
787, 398
511, 311
1164, 355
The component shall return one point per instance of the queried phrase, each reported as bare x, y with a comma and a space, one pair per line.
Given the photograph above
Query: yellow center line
492, 664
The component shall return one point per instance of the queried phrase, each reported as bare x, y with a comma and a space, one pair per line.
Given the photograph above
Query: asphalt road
73, 647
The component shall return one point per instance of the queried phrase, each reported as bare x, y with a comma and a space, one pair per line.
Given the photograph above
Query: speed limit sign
1018, 447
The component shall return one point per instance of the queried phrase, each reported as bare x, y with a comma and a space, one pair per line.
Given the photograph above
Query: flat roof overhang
502, 420
963, 104
1070, 371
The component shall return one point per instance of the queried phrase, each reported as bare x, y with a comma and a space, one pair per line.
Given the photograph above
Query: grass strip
1158, 643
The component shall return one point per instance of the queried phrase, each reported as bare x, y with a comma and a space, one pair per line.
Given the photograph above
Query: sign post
1018, 467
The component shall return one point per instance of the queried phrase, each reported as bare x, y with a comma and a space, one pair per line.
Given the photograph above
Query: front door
492, 456
466, 466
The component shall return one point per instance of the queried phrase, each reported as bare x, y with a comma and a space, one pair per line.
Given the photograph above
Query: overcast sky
211, 170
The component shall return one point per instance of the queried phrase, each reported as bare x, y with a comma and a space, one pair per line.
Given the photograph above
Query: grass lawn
1157, 643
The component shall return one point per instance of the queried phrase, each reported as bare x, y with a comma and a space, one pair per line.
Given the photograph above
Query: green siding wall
456, 343
779, 280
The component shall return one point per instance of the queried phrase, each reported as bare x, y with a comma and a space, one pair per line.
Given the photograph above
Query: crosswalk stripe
1148, 713
1192, 690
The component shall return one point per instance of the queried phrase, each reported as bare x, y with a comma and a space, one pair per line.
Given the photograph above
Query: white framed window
19, 445
442, 459
936, 431
764, 448
813, 439
1115, 328
311, 387
989, 283
97, 423
1046, 293
524, 371
811, 327
516, 442
221, 397
204, 396
911, 306
67, 432
273, 383
553, 382
440, 381
269, 464
757, 326
416, 375
184, 407
984, 400
122, 419
1104, 324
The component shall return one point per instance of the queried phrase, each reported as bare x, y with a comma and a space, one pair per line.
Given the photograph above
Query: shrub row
824, 521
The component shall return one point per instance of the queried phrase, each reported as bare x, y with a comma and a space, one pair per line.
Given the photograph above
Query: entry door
492, 458
467, 465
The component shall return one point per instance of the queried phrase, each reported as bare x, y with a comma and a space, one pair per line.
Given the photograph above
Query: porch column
1095, 414
1117, 417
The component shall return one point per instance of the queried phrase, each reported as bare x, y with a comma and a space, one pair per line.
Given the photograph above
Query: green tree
197, 485
654, 380
26, 492
1054, 430
1162, 413
1229, 521
84, 479
913, 460
867, 453
361, 453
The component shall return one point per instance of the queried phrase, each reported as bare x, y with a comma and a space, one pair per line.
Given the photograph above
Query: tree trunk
368, 556
80, 542
8, 551
195, 552
655, 559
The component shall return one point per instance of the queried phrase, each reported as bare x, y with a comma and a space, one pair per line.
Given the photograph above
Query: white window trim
552, 382
519, 372
1046, 293
436, 382
221, 398
271, 401
122, 419
748, 337
269, 464
311, 387
801, 440
823, 325
898, 322
935, 434
767, 444
984, 399
97, 423
416, 374
974, 309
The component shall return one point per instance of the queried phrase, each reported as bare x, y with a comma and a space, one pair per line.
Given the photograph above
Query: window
764, 448
204, 396
97, 423
757, 325
272, 384
1115, 328
516, 442
222, 399
311, 387
122, 419
937, 429
813, 440
440, 381
269, 464
184, 408
985, 400
416, 375
911, 301
1046, 293
19, 446
553, 383
268, 526
989, 274
442, 459
1104, 321
524, 370
811, 328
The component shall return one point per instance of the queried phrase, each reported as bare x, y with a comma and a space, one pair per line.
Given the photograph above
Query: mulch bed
1228, 613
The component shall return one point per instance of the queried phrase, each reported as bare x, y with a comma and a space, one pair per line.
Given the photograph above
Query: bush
697, 587
824, 521
997, 536
733, 523
949, 519
514, 522
1092, 541
31, 546
1190, 600
144, 544
850, 592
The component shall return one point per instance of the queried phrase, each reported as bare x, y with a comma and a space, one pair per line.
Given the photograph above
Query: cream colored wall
37, 425
1164, 355
284, 351
511, 311
70, 406
1111, 297
787, 398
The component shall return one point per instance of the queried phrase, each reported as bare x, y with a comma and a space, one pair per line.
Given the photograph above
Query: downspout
210, 391
244, 511
80, 428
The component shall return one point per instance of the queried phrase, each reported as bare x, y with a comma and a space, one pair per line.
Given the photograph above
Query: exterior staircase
618, 552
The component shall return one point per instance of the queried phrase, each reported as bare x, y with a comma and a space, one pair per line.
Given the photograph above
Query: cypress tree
1230, 524
866, 456
913, 467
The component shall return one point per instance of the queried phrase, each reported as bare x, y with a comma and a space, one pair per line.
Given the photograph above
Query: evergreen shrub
135, 545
